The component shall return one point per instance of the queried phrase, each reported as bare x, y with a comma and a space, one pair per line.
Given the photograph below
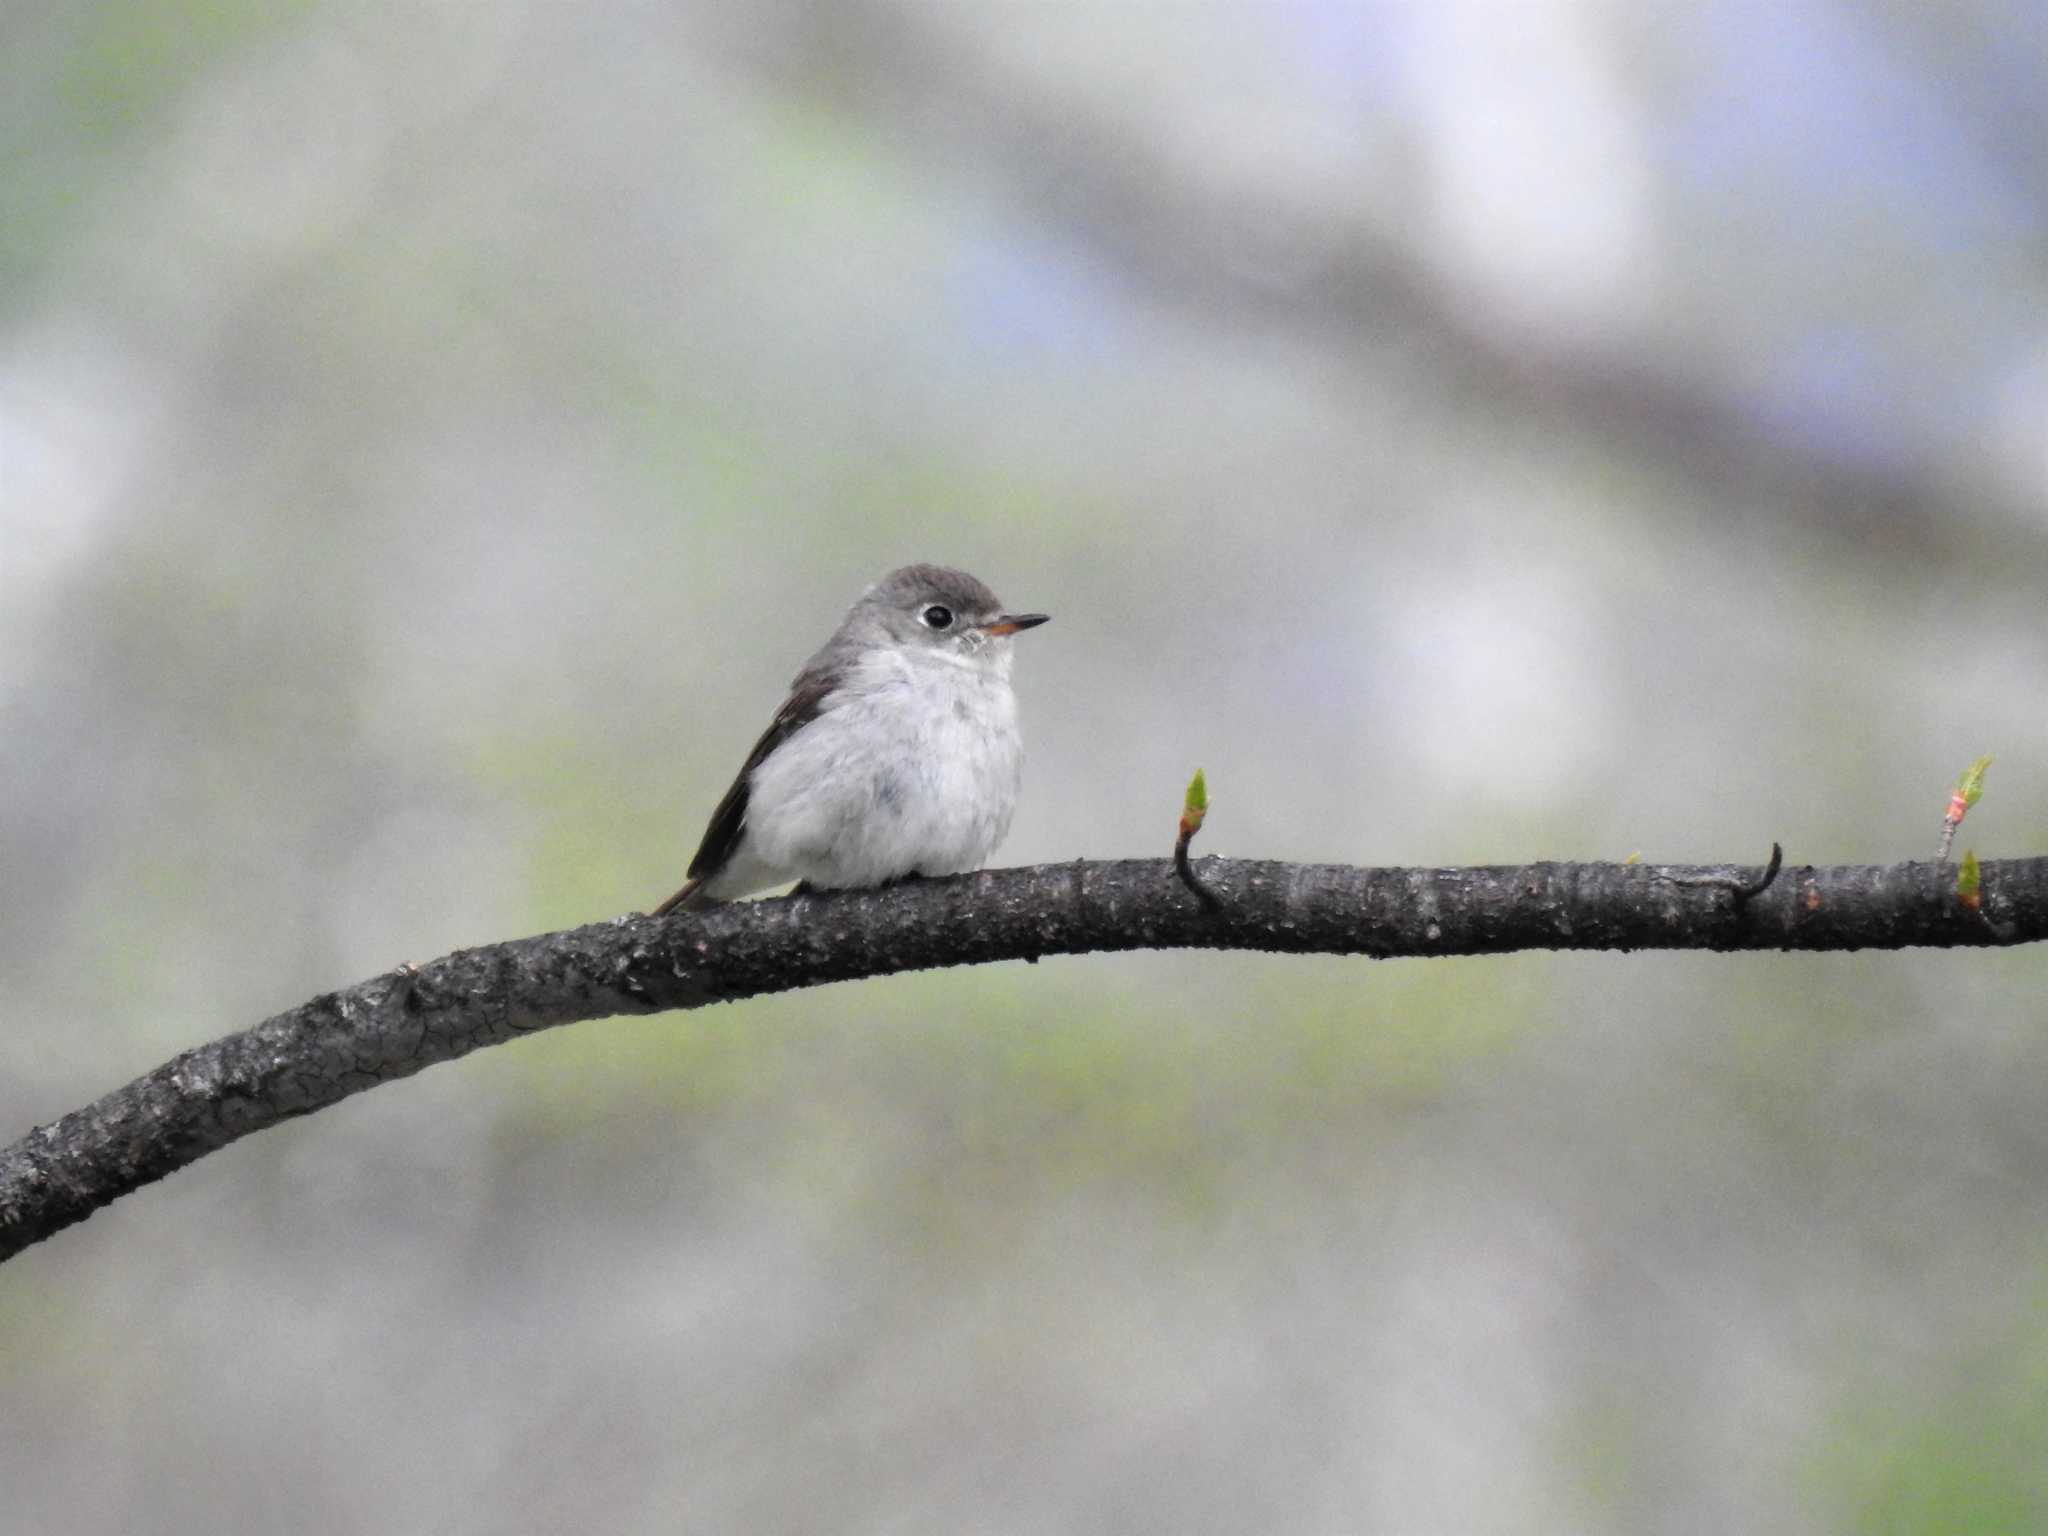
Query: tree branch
1314, 271
393, 1025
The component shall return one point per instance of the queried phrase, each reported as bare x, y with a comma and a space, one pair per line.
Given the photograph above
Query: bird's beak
1010, 623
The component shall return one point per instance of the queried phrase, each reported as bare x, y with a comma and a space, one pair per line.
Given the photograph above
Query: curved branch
1320, 274
393, 1025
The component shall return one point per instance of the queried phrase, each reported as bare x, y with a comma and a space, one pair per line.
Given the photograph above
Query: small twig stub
1968, 791
1970, 882
1741, 887
1764, 880
1194, 809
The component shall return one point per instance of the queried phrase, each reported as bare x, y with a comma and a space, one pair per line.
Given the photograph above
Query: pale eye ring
938, 616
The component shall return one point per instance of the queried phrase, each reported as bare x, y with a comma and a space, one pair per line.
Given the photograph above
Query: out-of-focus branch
1233, 256
395, 1024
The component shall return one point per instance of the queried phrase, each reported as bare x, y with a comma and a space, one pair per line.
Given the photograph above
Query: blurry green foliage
136, 57
1971, 1462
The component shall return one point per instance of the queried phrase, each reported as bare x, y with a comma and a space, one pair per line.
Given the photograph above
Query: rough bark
393, 1025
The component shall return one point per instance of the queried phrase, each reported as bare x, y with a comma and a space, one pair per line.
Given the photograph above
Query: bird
896, 755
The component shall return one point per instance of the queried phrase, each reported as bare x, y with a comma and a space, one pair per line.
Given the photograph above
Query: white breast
913, 767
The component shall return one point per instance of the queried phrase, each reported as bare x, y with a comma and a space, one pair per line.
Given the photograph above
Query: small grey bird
896, 753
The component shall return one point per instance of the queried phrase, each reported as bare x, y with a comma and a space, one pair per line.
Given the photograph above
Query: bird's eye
938, 616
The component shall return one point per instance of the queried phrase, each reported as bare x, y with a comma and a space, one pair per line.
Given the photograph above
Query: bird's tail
689, 899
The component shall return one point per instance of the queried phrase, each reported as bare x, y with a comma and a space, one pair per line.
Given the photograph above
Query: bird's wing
804, 704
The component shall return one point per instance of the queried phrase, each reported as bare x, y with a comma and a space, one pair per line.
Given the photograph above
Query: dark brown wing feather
723, 834
730, 819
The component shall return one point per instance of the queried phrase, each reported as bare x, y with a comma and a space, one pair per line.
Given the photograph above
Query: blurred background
430, 437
